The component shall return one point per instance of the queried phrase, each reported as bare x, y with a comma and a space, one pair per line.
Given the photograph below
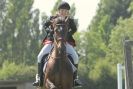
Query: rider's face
63, 12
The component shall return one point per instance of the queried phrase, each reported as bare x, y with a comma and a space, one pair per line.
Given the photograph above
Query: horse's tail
50, 84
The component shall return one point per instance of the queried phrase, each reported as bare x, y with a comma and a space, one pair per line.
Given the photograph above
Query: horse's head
61, 30
60, 33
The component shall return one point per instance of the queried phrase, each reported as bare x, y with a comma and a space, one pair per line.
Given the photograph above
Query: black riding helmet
64, 5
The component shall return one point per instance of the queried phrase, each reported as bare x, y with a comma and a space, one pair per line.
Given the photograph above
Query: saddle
46, 59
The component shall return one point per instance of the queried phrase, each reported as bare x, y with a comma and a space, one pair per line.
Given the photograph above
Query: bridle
61, 30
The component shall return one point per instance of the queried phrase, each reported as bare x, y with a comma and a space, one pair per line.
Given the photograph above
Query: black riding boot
77, 82
39, 76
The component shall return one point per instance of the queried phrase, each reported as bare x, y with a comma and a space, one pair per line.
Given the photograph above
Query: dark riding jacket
71, 26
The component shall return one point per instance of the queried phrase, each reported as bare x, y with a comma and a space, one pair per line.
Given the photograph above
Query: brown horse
59, 72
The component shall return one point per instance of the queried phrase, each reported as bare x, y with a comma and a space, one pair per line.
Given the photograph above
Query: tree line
100, 46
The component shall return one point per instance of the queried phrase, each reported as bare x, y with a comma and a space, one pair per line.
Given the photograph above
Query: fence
128, 68
128, 63
11, 84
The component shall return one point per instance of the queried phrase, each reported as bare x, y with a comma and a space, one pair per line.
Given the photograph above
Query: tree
123, 29
55, 8
99, 54
108, 14
2, 16
20, 31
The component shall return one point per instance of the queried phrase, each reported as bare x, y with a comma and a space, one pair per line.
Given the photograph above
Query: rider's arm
72, 26
47, 24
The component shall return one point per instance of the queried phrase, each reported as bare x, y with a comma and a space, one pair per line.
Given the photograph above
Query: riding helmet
64, 5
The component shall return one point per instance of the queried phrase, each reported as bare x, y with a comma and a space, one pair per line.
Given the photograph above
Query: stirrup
77, 83
36, 83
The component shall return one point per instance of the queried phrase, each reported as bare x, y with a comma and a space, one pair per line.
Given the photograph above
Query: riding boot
77, 82
39, 76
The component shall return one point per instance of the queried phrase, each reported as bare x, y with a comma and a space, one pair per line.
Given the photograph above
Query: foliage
12, 71
55, 8
20, 32
100, 47
122, 30
108, 13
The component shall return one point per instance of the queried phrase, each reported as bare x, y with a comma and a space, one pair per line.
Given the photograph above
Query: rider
63, 11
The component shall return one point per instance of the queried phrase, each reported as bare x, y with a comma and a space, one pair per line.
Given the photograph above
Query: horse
59, 72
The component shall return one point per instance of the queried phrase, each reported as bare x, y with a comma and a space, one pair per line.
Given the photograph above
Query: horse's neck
60, 49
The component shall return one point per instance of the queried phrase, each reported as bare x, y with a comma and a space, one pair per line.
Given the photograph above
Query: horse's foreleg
50, 85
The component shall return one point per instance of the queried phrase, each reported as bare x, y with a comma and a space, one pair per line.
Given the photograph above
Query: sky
85, 10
